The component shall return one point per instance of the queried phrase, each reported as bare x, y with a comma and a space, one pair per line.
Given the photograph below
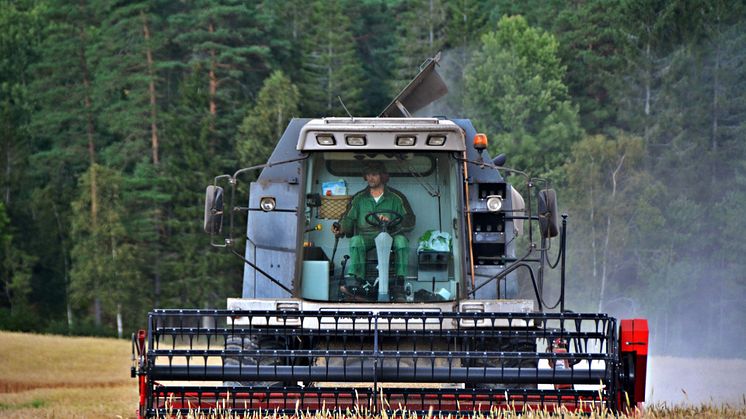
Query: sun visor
426, 88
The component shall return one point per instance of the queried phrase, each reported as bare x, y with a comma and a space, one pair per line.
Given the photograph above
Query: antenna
345, 107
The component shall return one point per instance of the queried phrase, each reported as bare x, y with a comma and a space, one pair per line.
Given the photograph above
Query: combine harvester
411, 304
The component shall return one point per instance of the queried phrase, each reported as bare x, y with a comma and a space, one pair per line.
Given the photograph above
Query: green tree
516, 94
189, 262
104, 278
64, 122
20, 27
467, 22
609, 194
331, 67
63, 142
284, 26
649, 28
420, 35
129, 57
264, 124
16, 267
222, 38
593, 46
375, 33
126, 58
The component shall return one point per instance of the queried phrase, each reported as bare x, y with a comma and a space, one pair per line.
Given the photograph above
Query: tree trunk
97, 311
647, 131
120, 330
279, 124
605, 257
151, 90
213, 90
7, 274
154, 141
431, 34
65, 262
90, 131
592, 205
648, 81
329, 74
7, 176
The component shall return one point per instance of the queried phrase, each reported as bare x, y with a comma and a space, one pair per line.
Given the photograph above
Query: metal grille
247, 361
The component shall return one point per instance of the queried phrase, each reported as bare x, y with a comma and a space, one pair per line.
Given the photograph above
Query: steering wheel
373, 218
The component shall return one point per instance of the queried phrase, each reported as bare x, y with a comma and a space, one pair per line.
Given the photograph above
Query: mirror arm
266, 165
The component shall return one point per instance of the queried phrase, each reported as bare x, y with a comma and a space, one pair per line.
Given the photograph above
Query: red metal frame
142, 378
633, 340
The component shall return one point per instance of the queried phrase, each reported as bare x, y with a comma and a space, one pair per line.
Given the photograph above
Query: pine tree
222, 38
189, 262
331, 68
16, 269
466, 22
420, 35
64, 136
650, 33
283, 26
593, 47
375, 34
20, 25
126, 57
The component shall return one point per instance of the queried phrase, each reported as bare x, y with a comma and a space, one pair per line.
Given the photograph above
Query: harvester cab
380, 253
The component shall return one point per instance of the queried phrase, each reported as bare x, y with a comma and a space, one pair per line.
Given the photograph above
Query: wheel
249, 343
627, 381
373, 218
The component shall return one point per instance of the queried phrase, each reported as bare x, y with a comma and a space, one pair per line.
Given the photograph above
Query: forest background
116, 115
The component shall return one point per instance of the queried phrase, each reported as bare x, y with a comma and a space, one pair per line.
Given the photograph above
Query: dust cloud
696, 381
696, 348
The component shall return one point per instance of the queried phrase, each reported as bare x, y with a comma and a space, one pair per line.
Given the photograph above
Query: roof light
355, 140
480, 141
436, 140
267, 203
325, 139
406, 140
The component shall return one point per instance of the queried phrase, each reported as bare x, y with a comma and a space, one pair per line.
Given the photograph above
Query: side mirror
213, 209
500, 160
548, 219
313, 200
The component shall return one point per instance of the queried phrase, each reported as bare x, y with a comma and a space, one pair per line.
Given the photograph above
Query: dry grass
65, 377
704, 412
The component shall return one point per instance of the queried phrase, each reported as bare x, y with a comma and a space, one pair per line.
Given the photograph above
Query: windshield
380, 228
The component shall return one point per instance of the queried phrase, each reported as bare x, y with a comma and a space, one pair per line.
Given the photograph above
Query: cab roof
353, 134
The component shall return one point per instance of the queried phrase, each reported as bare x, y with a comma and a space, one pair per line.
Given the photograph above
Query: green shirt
353, 221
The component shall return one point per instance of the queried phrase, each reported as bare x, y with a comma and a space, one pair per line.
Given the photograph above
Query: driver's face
373, 179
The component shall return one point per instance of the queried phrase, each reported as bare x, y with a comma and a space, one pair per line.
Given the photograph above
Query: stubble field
70, 377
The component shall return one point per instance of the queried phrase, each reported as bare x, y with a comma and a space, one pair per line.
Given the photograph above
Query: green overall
353, 222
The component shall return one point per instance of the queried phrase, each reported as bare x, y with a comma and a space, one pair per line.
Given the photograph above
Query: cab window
379, 228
